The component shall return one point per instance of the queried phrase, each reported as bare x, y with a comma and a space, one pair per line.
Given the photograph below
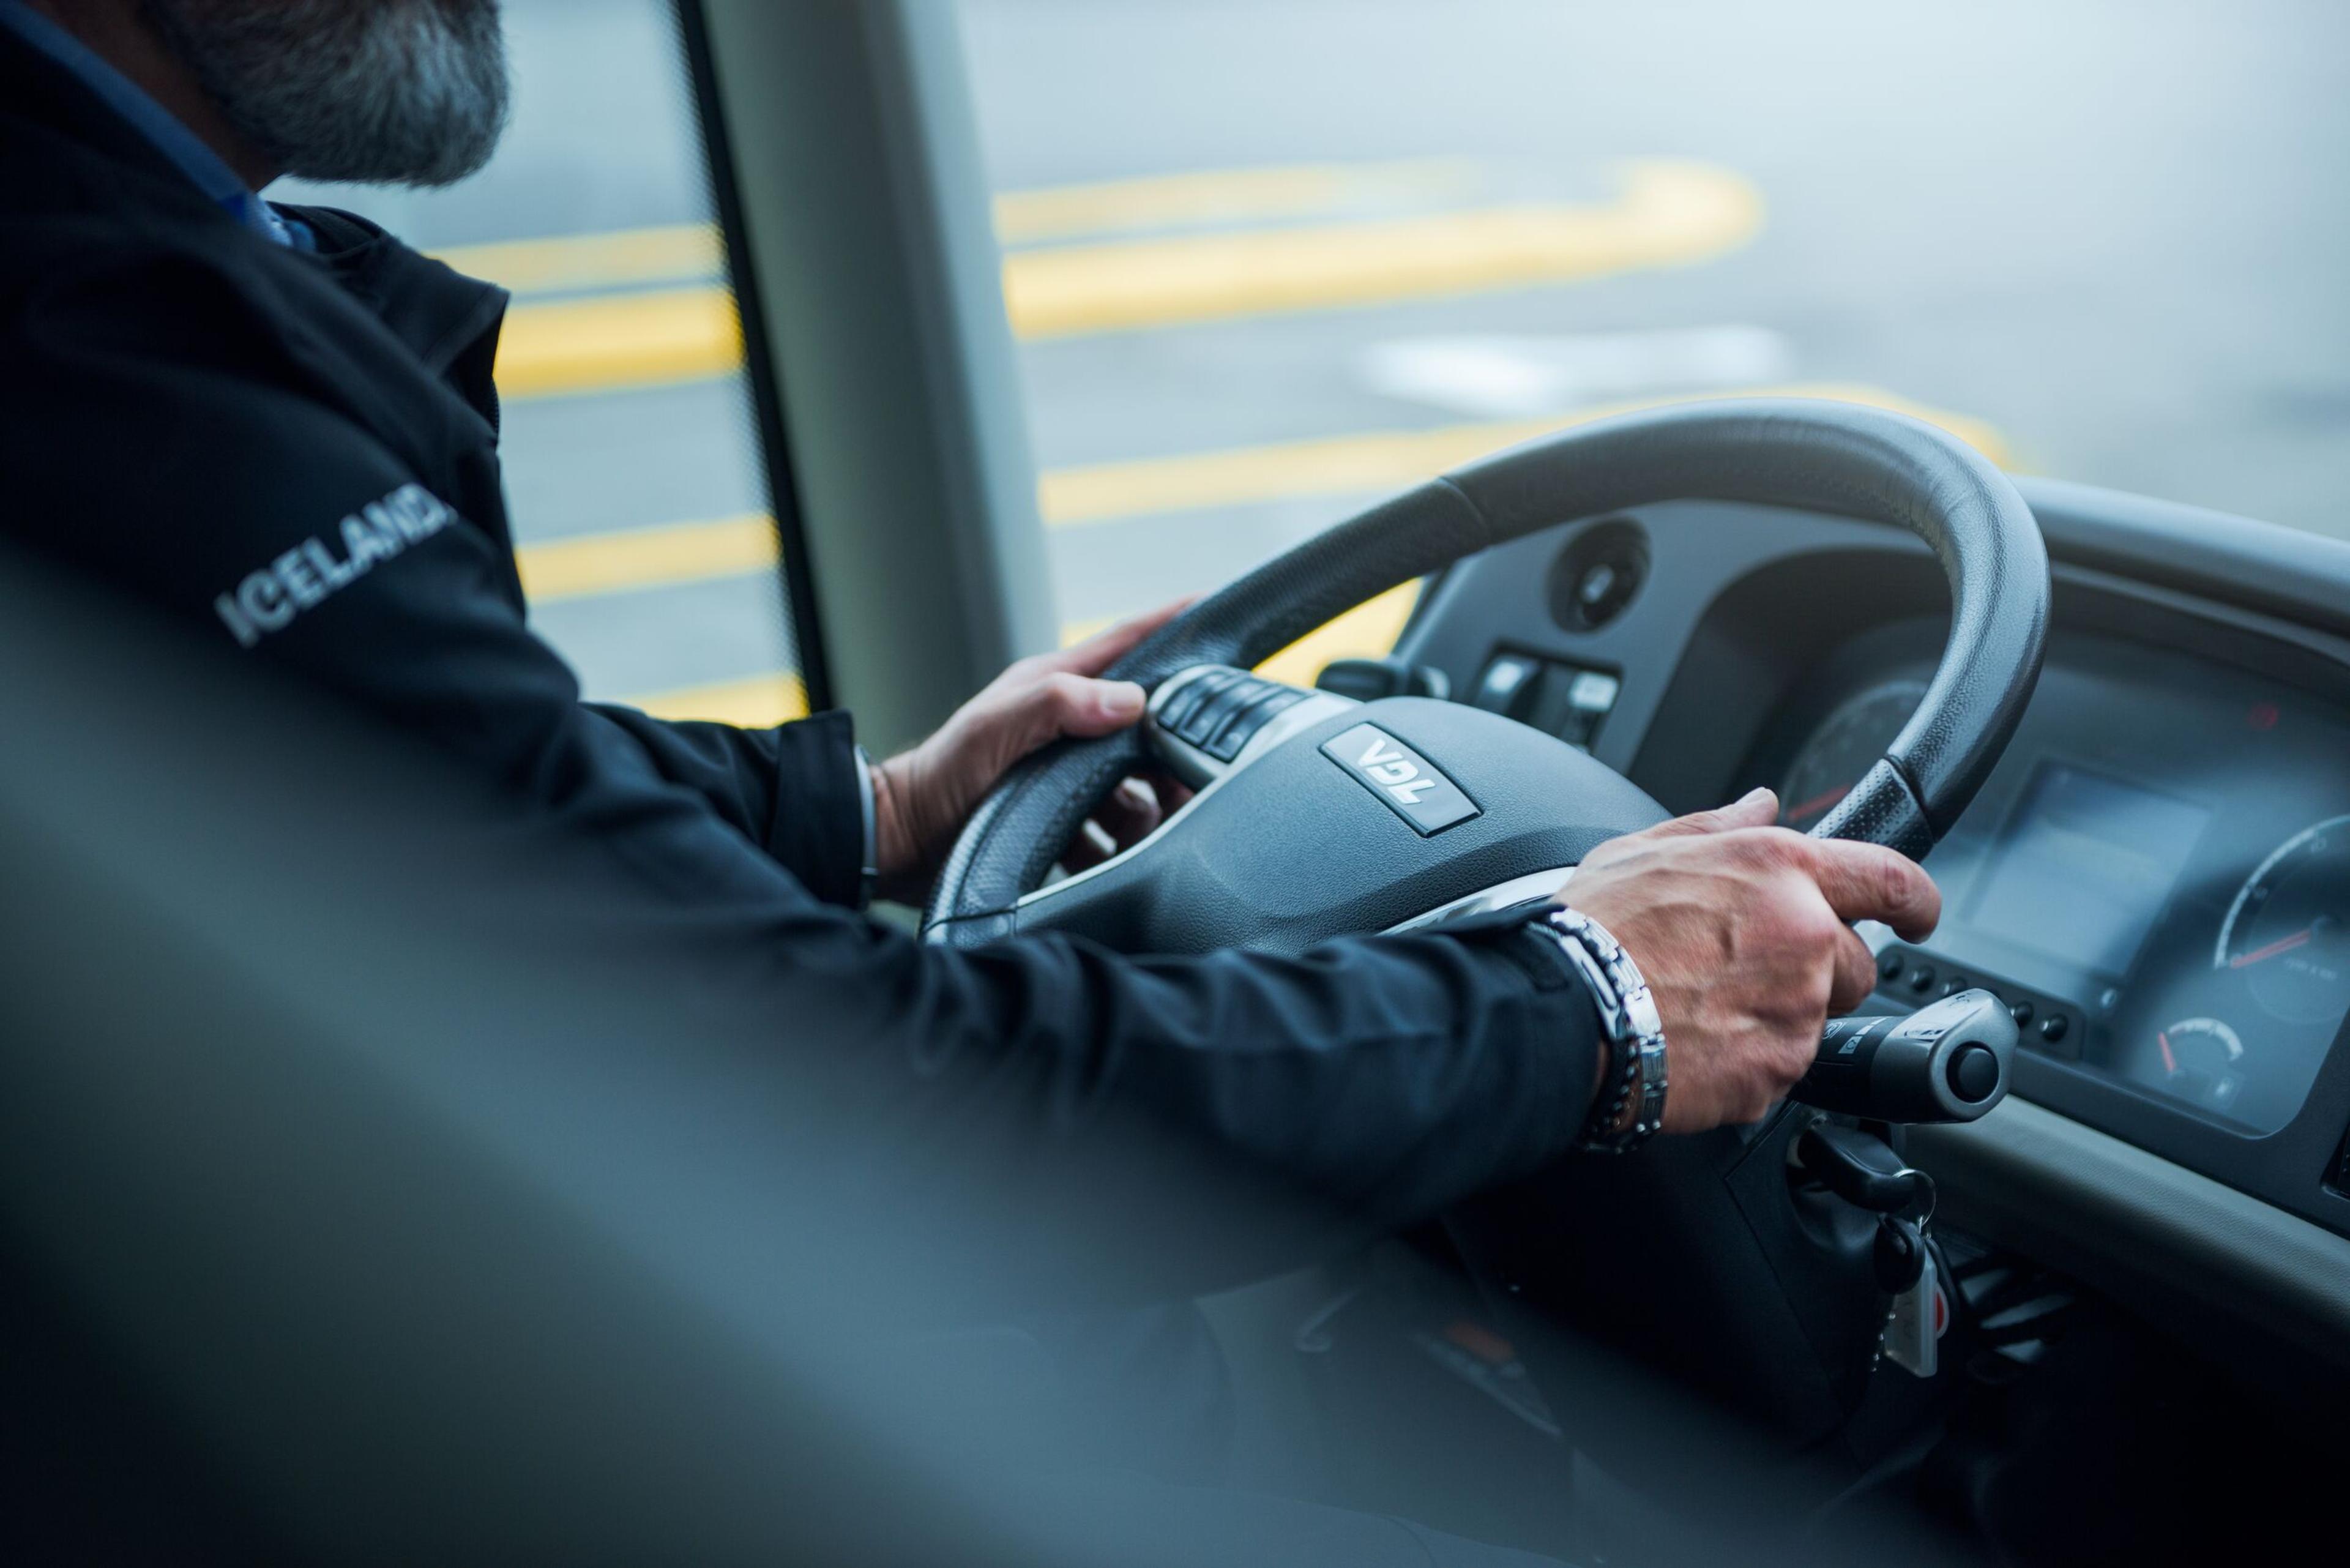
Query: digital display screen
2084, 865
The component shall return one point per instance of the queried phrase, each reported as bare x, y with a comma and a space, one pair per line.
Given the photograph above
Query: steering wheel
1318, 816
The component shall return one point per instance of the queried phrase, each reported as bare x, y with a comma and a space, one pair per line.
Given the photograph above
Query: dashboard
2156, 879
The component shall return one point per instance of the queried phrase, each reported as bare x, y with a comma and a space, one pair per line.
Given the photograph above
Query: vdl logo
1398, 774
1406, 783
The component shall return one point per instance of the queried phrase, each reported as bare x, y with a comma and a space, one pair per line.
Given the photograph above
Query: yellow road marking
625, 340
1223, 196
777, 697
1386, 460
1671, 212
754, 702
617, 258
630, 558
676, 553
695, 253
1342, 465
1367, 631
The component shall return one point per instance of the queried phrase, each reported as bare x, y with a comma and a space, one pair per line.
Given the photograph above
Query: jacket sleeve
1388, 1077
791, 789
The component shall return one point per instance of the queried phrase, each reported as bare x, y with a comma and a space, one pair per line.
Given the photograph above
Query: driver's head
410, 92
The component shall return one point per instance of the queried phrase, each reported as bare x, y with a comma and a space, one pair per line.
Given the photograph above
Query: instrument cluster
2159, 874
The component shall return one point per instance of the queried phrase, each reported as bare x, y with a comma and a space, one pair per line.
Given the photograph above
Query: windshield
1320, 247
1268, 259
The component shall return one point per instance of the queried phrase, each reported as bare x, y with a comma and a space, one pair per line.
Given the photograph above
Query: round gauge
2202, 1060
1843, 748
2288, 932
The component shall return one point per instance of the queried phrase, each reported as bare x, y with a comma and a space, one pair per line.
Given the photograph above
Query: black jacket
296, 453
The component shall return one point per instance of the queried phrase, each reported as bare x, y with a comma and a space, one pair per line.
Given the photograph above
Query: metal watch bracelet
1635, 1076
868, 853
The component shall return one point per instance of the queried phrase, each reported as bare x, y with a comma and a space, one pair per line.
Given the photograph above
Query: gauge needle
1817, 803
2169, 1062
2282, 945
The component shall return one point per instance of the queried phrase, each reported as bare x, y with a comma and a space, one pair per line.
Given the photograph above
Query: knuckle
1824, 974
1766, 849
1895, 884
1811, 925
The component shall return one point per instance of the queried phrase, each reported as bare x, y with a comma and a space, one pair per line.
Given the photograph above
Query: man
278, 426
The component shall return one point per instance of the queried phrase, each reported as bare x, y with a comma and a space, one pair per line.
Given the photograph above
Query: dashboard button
2054, 1027
1955, 984
2020, 1012
1509, 685
1888, 966
1243, 723
1921, 979
1203, 721
1177, 709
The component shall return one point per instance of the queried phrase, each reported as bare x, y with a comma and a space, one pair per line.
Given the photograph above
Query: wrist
1629, 1102
895, 850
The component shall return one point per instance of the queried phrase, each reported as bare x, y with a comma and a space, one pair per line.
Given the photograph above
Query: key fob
1913, 1328
1900, 1255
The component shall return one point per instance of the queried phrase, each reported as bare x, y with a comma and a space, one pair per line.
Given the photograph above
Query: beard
379, 92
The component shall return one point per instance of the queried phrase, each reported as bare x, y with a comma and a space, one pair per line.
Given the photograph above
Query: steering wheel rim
1841, 458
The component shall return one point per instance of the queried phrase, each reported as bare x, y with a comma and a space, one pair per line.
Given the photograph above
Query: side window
641, 509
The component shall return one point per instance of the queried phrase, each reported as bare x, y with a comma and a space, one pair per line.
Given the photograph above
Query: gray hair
395, 92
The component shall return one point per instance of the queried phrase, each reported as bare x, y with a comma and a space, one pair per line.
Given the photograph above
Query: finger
1755, 808
1087, 849
1065, 704
1870, 882
1130, 813
1104, 648
1855, 974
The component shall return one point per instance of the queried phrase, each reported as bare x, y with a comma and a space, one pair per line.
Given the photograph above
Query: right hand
1741, 931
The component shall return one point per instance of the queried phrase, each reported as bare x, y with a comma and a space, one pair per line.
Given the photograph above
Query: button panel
1558, 698
1220, 710
1193, 692
1910, 977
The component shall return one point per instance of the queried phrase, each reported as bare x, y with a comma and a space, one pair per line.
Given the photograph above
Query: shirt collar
182, 147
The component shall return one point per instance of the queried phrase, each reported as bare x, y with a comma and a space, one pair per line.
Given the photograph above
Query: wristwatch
1630, 1104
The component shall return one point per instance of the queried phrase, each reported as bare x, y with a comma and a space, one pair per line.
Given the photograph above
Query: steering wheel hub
1314, 837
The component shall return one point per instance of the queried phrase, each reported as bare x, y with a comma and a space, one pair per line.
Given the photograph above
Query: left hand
922, 798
